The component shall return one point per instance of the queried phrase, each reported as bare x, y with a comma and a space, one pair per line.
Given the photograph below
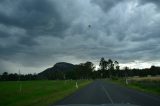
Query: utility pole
20, 85
126, 80
64, 76
76, 84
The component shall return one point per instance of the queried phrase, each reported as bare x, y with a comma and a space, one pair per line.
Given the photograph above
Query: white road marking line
106, 92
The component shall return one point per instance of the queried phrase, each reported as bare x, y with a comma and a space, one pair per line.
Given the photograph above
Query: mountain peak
58, 67
62, 64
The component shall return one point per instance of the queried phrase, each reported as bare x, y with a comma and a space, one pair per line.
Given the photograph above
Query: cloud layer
35, 34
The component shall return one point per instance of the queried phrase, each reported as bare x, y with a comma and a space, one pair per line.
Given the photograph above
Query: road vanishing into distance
103, 92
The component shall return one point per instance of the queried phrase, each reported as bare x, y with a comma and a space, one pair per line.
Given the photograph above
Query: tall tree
89, 67
5, 76
116, 65
103, 66
110, 67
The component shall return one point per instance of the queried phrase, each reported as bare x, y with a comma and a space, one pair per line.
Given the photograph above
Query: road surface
102, 92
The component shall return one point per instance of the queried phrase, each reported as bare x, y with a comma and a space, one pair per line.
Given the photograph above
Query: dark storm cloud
37, 17
35, 34
27, 13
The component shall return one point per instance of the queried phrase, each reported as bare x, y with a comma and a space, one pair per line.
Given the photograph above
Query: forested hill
60, 67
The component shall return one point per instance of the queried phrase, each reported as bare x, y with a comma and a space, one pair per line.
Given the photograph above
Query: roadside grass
37, 93
145, 84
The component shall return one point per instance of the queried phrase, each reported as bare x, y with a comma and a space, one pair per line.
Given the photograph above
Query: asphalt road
101, 92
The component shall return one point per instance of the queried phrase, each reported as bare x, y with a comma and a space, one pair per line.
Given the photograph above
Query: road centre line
106, 92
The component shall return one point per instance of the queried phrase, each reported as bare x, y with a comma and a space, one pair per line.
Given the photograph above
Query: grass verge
36, 93
145, 85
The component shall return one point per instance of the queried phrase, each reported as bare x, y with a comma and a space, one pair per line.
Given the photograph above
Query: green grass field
145, 84
36, 93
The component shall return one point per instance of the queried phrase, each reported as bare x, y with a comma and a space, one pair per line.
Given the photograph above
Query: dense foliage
108, 69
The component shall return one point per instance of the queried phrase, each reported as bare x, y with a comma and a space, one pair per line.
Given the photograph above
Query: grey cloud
40, 33
106, 5
156, 2
38, 17
27, 13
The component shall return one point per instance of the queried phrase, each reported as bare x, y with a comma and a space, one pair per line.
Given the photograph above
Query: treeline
107, 69
16, 77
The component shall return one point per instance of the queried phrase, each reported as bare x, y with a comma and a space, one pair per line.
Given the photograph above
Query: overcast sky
36, 34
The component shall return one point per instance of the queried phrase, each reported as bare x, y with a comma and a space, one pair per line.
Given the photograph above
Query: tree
5, 76
116, 65
85, 70
110, 67
89, 67
103, 66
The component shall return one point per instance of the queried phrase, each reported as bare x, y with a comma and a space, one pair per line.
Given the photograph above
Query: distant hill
58, 67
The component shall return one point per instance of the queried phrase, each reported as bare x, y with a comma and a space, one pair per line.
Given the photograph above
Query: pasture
36, 93
146, 84
150, 84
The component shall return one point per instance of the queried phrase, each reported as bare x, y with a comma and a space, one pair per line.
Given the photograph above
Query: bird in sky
89, 26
